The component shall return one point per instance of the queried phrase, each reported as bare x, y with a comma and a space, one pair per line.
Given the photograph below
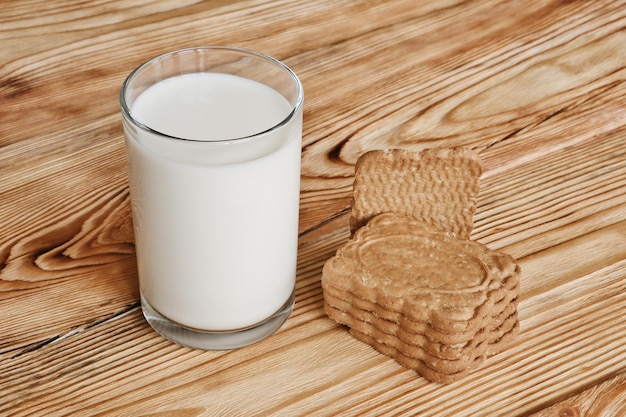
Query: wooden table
537, 87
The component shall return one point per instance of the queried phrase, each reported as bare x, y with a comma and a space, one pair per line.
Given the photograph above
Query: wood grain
535, 86
606, 399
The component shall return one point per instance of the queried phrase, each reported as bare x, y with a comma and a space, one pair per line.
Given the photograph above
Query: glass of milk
213, 138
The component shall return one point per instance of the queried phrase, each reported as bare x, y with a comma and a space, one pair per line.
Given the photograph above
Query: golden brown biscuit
423, 296
422, 319
404, 265
438, 186
423, 333
425, 369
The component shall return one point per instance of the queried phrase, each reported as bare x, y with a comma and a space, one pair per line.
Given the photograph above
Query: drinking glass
213, 139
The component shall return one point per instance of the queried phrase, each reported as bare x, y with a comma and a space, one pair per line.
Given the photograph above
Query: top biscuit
403, 265
438, 186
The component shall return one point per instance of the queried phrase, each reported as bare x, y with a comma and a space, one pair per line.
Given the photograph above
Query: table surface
535, 86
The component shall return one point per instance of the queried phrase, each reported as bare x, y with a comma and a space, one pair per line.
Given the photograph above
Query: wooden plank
606, 399
535, 86
569, 328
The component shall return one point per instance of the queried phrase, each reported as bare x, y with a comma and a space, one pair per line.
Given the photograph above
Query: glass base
218, 340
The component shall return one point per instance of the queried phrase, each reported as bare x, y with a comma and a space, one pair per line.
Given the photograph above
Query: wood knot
569, 412
13, 87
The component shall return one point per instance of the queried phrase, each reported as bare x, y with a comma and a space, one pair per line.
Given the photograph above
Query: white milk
216, 223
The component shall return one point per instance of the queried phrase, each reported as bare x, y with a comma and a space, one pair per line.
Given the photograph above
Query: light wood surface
535, 86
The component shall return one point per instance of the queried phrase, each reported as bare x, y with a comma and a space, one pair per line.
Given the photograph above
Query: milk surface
216, 223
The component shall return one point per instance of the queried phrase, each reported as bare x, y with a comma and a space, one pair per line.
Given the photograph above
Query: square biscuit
438, 186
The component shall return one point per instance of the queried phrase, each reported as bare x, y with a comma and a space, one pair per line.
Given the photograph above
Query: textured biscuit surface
438, 186
403, 265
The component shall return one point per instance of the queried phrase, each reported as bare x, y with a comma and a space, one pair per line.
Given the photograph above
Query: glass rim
295, 108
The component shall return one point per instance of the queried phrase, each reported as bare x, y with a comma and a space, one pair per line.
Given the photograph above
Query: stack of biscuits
410, 282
